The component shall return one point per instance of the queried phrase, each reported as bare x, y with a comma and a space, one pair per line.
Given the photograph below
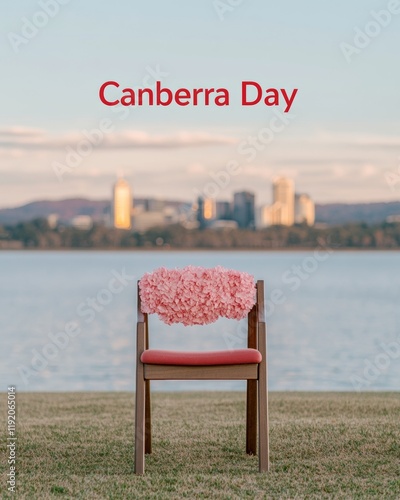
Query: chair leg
251, 417
140, 407
139, 425
148, 418
263, 432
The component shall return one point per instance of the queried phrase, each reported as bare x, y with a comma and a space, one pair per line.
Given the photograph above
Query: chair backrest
196, 295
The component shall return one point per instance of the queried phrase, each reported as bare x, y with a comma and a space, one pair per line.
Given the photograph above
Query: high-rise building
304, 210
223, 210
287, 208
122, 205
243, 209
283, 201
206, 211
271, 215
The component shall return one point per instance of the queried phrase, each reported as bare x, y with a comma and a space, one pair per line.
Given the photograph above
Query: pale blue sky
342, 141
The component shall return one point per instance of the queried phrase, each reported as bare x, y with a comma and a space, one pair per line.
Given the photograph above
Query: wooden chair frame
255, 374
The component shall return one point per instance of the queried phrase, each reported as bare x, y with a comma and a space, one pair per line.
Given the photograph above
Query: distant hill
342, 213
65, 209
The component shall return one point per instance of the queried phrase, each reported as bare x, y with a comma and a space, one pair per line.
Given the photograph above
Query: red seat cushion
233, 357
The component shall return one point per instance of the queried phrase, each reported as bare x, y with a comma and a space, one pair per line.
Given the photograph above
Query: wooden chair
238, 364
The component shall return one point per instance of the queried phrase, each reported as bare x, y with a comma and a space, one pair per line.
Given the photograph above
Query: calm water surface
333, 322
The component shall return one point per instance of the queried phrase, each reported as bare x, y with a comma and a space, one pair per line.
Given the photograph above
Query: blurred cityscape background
287, 208
291, 220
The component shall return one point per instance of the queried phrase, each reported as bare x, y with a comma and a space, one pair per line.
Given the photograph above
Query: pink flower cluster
196, 295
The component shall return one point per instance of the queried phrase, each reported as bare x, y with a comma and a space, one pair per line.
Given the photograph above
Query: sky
340, 141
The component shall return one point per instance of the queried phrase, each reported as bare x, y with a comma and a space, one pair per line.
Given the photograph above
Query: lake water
333, 319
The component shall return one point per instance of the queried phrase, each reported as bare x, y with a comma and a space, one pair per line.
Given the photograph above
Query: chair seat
196, 358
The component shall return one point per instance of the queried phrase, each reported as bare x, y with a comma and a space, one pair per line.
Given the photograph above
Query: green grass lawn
323, 445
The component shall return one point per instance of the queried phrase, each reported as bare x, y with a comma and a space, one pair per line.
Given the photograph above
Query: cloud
196, 169
369, 170
19, 138
365, 140
320, 161
20, 132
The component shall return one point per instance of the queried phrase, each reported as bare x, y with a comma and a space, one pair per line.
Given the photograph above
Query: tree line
37, 234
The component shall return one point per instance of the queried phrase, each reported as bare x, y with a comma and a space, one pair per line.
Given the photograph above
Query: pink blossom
197, 295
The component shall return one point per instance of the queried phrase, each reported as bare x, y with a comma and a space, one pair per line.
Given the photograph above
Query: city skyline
338, 142
288, 208
126, 211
